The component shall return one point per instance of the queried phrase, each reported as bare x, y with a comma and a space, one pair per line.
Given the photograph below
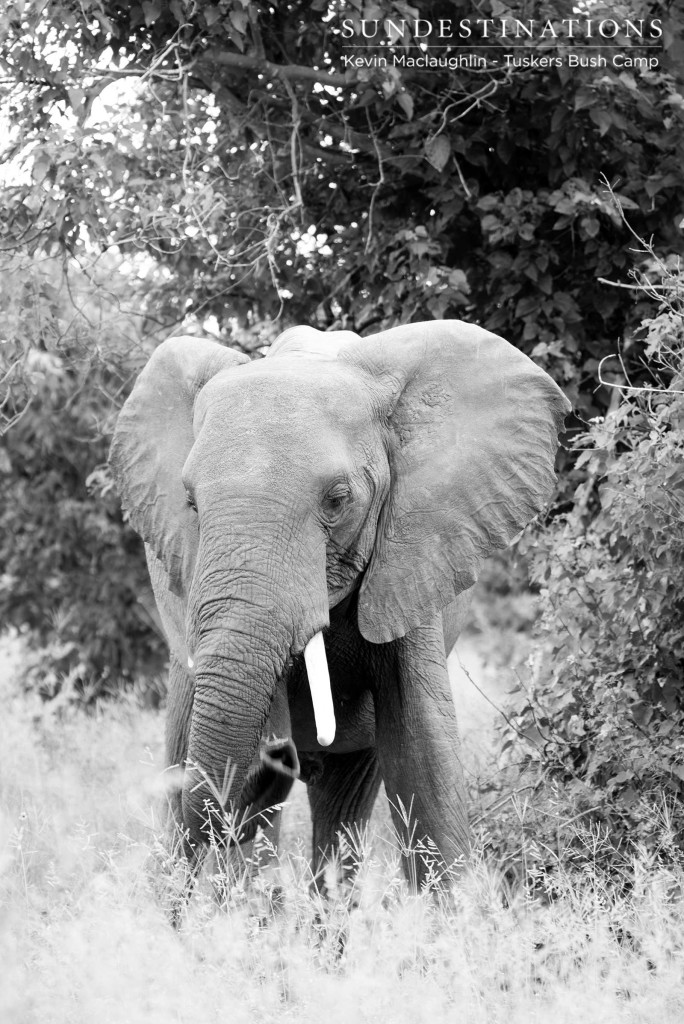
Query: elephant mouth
280, 755
318, 675
266, 786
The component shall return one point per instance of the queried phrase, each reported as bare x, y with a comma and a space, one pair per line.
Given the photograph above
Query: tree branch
285, 72
330, 155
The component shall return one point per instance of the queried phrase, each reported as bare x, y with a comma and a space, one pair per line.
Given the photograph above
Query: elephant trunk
245, 625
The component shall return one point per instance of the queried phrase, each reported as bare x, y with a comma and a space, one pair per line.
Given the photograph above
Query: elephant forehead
269, 396
290, 422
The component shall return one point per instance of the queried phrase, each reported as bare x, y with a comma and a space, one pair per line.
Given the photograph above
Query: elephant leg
179, 709
341, 799
179, 874
257, 855
418, 749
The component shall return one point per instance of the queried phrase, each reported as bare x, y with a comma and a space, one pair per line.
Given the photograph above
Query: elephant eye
335, 501
190, 501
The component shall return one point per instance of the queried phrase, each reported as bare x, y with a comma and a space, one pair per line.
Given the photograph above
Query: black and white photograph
342, 518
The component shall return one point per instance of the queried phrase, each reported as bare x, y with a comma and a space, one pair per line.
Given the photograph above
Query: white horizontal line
491, 46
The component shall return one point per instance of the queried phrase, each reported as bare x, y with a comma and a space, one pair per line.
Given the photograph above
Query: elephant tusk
191, 663
319, 682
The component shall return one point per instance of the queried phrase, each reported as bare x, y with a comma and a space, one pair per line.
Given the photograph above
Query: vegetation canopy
264, 180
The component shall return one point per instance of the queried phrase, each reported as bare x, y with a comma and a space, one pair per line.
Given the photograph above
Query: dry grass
84, 936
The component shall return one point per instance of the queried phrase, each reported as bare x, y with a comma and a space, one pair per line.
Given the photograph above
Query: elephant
314, 522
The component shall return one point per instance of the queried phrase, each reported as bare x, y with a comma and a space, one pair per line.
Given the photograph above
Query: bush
73, 578
605, 713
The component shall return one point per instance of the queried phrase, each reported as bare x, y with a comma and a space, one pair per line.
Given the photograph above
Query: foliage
606, 709
272, 182
73, 575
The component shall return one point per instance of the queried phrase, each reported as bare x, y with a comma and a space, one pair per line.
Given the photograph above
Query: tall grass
84, 935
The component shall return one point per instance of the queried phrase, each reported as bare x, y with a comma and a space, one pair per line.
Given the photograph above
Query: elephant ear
152, 440
473, 434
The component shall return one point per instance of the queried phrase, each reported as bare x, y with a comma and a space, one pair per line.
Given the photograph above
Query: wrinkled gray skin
341, 484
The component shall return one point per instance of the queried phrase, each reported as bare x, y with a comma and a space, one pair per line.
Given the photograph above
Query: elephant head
268, 491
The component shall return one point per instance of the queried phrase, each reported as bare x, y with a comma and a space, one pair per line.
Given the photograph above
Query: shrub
73, 576
606, 706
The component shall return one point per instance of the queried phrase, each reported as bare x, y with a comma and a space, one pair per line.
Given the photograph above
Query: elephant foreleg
341, 800
419, 753
179, 708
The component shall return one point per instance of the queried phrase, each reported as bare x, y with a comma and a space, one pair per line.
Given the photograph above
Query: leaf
526, 306
559, 116
239, 20
438, 151
236, 38
41, 167
489, 202
628, 80
33, 202
546, 284
601, 118
405, 101
584, 98
151, 9
656, 183
626, 203
76, 97
505, 149
459, 281
372, 12
591, 226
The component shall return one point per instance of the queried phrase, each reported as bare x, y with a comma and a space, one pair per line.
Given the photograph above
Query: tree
73, 575
273, 184
215, 164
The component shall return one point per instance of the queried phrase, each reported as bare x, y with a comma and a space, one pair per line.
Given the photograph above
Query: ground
85, 934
